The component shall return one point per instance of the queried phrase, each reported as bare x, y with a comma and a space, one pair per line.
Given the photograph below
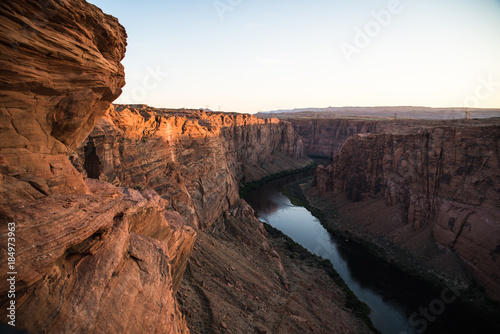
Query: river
399, 303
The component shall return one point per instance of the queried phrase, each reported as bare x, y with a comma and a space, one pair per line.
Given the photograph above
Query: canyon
429, 187
128, 218
194, 159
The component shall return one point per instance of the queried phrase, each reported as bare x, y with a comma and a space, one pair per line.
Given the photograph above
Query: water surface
399, 303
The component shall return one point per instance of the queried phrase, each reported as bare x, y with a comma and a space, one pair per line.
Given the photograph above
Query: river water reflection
393, 296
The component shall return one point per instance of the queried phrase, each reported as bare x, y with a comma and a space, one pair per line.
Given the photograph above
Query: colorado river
399, 303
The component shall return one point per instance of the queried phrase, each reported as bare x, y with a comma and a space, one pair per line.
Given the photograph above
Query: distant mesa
390, 112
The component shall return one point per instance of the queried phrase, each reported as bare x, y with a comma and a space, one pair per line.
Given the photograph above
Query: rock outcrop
61, 70
89, 257
445, 177
95, 255
106, 262
194, 159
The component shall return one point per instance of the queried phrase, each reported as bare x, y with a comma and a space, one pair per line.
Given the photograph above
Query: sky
251, 55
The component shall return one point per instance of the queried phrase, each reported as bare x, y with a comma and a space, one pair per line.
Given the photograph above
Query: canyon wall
102, 241
89, 257
446, 177
324, 134
324, 137
194, 159
235, 280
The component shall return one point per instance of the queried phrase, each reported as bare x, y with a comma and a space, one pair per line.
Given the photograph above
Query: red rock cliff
61, 70
325, 136
448, 177
90, 257
192, 158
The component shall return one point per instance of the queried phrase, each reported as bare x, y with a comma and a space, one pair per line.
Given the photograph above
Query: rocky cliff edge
89, 257
194, 159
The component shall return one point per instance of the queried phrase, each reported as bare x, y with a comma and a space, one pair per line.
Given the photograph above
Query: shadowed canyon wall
447, 177
325, 136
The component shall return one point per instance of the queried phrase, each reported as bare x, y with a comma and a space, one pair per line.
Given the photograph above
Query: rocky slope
194, 159
236, 281
89, 257
446, 178
94, 255
235, 285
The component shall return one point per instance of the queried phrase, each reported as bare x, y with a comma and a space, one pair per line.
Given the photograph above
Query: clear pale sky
250, 55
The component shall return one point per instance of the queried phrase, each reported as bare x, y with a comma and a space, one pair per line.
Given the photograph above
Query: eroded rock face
325, 136
106, 262
192, 158
90, 257
447, 177
61, 69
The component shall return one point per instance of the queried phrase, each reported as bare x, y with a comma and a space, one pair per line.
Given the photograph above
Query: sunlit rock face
61, 69
193, 158
90, 257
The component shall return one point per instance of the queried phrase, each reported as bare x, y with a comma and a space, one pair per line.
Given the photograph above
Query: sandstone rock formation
194, 159
90, 257
324, 137
94, 255
61, 70
100, 263
445, 177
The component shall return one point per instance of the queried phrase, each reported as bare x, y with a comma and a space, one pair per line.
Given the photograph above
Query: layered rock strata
194, 159
89, 257
110, 261
447, 178
61, 69
324, 134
